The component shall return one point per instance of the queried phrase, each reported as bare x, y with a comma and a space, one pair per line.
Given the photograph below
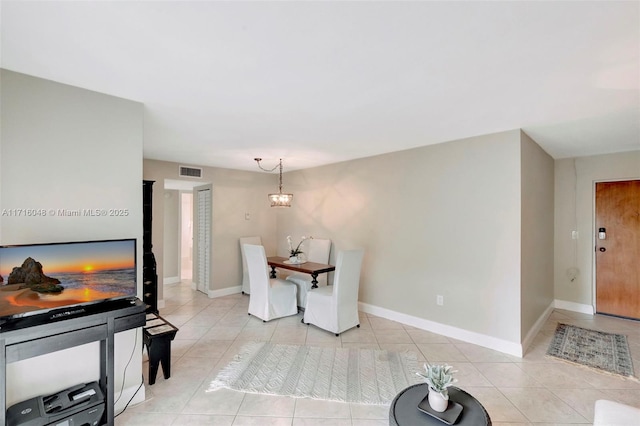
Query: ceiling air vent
192, 172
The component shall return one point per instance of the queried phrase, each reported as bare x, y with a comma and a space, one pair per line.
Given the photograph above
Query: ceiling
323, 82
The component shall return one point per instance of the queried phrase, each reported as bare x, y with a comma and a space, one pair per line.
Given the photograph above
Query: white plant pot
438, 402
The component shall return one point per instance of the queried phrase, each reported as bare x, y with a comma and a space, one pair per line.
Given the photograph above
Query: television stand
35, 340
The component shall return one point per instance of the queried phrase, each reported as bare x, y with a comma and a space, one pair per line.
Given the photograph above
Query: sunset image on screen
45, 276
66, 258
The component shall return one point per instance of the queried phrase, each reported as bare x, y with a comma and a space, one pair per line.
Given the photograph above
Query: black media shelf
28, 341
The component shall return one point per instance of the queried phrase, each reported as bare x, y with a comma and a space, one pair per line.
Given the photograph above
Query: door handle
602, 249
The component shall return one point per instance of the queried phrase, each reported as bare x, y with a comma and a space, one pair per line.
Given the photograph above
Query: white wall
438, 220
574, 200
63, 147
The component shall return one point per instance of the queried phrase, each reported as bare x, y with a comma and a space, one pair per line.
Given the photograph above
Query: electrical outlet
247, 216
574, 235
439, 300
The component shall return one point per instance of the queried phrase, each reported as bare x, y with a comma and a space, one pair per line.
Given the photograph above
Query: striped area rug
363, 376
607, 352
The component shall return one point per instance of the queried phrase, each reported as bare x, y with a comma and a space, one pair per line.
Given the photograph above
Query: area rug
606, 352
363, 376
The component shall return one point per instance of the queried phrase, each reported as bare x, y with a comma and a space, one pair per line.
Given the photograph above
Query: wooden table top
307, 267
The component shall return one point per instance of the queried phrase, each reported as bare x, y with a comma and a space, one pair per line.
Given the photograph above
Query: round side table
404, 408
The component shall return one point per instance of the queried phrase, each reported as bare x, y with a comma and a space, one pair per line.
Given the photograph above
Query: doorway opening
186, 235
183, 260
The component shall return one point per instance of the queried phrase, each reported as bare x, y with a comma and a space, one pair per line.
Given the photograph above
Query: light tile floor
534, 390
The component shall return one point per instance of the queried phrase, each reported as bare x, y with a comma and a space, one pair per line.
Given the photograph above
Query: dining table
311, 268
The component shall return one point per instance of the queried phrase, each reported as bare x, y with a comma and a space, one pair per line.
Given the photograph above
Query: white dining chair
245, 273
270, 297
335, 307
318, 251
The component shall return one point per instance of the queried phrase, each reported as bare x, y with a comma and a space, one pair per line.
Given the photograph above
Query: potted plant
439, 378
295, 254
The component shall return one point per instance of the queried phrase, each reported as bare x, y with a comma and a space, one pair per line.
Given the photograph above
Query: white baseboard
490, 342
224, 291
575, 307
170, 280
126, 395
533, 332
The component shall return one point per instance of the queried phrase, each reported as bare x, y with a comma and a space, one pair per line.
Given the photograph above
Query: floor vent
193, 172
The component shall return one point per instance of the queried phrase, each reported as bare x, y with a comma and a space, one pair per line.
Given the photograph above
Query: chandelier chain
258, 160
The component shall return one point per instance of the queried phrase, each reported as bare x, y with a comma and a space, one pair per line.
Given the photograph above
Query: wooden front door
618, 254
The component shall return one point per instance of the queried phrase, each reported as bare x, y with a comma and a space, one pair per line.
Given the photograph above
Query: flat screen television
61, 279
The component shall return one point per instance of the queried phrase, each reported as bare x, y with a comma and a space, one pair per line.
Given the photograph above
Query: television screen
41, 277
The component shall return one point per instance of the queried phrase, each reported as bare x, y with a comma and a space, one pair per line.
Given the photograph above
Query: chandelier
280, 199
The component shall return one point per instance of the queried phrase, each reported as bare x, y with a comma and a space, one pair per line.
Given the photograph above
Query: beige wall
537, 235
472, 220
67, 148
574, 200
235, 193
438, 220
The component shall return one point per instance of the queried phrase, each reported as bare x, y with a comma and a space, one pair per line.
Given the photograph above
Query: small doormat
603, 351
363, 376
